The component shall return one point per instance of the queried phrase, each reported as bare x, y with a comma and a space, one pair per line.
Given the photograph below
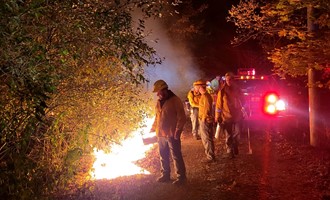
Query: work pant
206, 131
167, 147
232, 130
194, 121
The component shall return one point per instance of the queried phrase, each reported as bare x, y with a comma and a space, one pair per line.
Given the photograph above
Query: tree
63, 66
294, 47
285, 24
187, 23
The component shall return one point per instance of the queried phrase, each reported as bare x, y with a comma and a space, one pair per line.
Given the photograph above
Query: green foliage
281, 27
71, 75
101, 98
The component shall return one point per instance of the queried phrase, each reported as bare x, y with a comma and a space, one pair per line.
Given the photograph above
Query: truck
268, 102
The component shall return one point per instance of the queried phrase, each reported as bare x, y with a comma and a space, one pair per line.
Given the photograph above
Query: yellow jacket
170, 117
229, 104
193, 98
205, 112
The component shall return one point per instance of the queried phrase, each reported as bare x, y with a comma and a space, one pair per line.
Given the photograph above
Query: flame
120, 161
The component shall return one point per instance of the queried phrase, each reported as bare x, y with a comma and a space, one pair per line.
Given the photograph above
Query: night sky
216, 54
204, 56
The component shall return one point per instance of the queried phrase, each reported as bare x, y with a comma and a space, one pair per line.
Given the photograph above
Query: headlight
280, 105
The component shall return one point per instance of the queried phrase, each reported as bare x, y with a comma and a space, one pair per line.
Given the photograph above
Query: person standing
205, 116
193, 98
228, 112
168, 125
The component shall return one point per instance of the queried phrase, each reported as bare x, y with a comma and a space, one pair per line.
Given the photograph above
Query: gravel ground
276, 169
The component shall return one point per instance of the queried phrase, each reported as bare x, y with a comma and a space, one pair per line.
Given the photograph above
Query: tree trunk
314, 128
312, 98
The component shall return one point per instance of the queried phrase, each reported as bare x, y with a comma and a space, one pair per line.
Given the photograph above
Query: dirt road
276, 169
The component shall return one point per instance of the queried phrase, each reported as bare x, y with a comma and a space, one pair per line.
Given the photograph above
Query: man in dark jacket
168, 124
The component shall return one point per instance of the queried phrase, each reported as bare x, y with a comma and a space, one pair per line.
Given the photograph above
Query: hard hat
159, 85
229, 74
199, 82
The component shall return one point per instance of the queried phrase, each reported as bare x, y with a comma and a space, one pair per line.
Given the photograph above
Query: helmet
229, 74
199, 82
159, 85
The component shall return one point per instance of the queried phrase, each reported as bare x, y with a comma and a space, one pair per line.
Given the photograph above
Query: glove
177, 134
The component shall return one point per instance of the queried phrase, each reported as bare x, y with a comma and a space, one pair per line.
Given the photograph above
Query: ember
120, 161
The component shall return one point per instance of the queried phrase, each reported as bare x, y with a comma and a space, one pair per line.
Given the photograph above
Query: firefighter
228, 112
206, 119
193, 98
168, 124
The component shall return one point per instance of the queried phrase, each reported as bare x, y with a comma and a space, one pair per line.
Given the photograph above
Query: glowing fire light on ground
119, 162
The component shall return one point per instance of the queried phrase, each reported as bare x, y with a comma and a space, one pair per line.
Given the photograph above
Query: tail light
272, 104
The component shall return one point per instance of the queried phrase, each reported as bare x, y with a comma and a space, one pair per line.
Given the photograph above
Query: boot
180, 181
164, 179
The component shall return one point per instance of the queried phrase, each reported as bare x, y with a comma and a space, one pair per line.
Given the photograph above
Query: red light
246, 71
271, 98
271, 109
270, 101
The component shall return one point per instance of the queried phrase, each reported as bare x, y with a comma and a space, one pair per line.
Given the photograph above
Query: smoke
178, 69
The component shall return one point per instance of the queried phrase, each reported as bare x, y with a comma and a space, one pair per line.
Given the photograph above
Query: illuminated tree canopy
281, 27
71, 75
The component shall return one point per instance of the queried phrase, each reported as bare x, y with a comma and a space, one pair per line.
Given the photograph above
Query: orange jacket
169, 118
